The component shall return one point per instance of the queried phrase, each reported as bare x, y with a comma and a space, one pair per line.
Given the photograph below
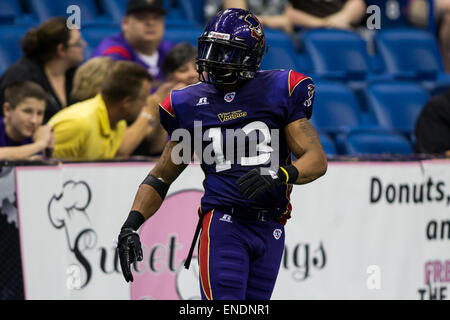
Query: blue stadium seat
337, 54
396, 105
194, 11
336, 108
360, 142
115, 9
281, 54
409, 54
93, 35
183, 34
45, 9
327, 144
304, 65
10, 11
11, 48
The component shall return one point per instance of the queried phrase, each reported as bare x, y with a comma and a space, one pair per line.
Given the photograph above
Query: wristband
158, 184
149, 118
134, 221
290, 174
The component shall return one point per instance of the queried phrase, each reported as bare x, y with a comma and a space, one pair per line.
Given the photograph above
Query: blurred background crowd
82, 79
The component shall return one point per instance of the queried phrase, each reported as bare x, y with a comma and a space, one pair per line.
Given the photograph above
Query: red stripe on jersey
167, 105
204, 255
294, 80
118, 50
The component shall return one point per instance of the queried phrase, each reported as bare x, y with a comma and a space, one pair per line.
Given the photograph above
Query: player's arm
304, 143
147, 201
150, 195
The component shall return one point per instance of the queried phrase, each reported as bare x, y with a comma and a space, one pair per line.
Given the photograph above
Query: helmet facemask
226, 62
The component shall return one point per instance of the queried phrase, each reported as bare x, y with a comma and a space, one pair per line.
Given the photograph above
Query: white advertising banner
366, 230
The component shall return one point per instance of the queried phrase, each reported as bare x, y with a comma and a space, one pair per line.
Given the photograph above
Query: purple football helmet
231, 48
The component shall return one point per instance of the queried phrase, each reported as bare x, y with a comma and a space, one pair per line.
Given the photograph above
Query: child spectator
21, 132
179, 64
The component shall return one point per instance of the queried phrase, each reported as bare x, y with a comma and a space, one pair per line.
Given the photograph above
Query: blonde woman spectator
89, 78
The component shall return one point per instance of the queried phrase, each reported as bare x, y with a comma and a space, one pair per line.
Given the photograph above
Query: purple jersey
118, 48
6, 141
271, 100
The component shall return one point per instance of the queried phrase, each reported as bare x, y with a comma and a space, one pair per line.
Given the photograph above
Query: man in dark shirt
433, 126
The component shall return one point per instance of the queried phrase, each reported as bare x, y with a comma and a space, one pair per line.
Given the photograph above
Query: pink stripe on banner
108, 164
39, 168
373, 163
86, 165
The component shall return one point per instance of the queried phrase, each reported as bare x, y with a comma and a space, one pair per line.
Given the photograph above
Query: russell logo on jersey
202, 101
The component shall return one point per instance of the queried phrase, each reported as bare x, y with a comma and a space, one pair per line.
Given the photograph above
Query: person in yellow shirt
94, 129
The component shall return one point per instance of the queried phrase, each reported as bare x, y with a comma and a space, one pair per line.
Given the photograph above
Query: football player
246, 200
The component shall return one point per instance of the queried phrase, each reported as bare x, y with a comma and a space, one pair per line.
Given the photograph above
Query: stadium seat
10, 11
194, 11
327, 144
337, 54
336, 108
11, 49
183, 34
396, 106
409, 53
281, 53
360, 142
45, 9
93, 35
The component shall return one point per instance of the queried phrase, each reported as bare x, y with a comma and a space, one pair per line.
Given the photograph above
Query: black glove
130, 251
254, 183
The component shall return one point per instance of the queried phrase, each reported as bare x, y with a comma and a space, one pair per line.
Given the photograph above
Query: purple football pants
239, 258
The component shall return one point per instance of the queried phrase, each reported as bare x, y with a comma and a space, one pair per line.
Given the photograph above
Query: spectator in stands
87, 84
340, 14
52, 53
179, 64
94, 129
418, 15
433, 126
89, 77
141, 41
287, 14
271, 13
180, 70
22, 134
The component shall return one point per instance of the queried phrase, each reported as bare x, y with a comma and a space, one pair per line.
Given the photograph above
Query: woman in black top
51, 54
